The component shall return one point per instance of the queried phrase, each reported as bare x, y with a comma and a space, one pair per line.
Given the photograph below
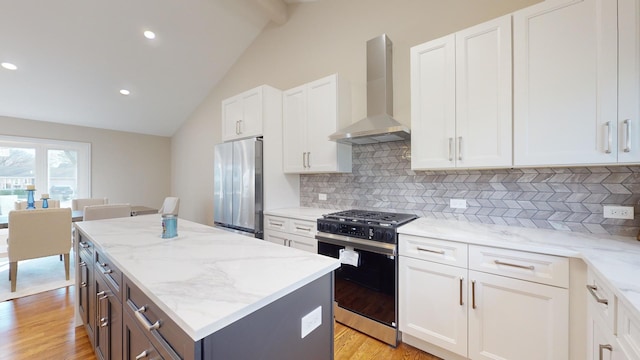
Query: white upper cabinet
461, 97
312, 112
565, 83
242, 115
629, 80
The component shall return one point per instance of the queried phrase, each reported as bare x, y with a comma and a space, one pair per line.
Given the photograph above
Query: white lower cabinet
460, 301
295, 233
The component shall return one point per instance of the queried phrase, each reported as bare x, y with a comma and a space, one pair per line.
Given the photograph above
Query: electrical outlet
310, 322
458, 203
617, 212
322, 197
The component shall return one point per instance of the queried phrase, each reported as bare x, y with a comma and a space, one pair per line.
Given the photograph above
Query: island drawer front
539, 268
85, 246
167, 338
601, 300
110, 272
275, 223
303, 227
440, 251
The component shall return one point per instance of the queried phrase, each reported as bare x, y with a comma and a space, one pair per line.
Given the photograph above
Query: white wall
126, 167
320, 38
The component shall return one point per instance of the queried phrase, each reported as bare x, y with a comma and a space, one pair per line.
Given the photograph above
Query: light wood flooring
42, 326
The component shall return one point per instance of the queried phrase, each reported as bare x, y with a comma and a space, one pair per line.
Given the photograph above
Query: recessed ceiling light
149, 34
9, 66
125, 92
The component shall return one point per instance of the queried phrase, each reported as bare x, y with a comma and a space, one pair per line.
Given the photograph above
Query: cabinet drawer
629, 332
85, 247
601, 300
275, 223
110, 272
302, 227
165, 335
544, 269
440, 251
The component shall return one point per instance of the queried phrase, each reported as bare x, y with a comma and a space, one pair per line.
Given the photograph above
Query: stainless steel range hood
379, 125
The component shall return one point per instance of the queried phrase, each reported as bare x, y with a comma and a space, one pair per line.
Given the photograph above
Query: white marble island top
615, 258
205, 278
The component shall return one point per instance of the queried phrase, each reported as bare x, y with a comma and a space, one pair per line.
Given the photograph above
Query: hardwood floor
41, 326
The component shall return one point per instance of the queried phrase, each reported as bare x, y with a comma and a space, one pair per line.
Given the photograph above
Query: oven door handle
358, 244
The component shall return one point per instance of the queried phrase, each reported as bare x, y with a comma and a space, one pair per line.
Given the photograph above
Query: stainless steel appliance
365, 289
237, 194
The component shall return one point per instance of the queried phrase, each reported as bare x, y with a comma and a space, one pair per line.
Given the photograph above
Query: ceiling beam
275, 9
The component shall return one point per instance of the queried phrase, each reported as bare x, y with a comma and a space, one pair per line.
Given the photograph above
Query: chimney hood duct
379, 125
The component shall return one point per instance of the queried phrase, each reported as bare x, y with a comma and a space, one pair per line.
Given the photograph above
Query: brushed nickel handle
109, 271
627, 124
239, 127
441, 252
530, 267
603, 347
304, 161
98, 312
83, 284
142, 355
461, 280
460, 148
473, 294
302, 229
84, 245
592, 289
104, 322
450, 149
143, 320
609, 139
309, 159
82, 263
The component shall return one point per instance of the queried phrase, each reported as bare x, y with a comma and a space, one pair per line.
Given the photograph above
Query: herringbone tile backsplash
554, 198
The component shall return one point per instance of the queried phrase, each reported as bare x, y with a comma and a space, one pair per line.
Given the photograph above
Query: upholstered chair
171, 205
38, 233
107, 211
79, 204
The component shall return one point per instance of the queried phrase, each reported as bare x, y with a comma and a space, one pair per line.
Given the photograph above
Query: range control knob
378, 234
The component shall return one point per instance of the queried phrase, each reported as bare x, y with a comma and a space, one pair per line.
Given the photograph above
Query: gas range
364, 224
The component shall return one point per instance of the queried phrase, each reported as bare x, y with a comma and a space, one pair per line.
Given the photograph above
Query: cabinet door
433, 303
231, 116
433, 104
276, 237
294, 120
83, 289
565, 83
251, 123
108, 327
483, 95
136, 344
516, 319
629, 80
322, 110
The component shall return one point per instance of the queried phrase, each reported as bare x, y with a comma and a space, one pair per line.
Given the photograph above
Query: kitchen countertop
205, 278
614, 258
304, 213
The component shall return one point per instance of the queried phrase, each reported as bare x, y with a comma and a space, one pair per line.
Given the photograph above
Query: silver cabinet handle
603, 347
239, 127
459, 147
609, 139
83, 284
498, 262
304, 161
143, 320
592, 289
142, 355
98, 298
104, 322
473, 294
627, 124
302, 229
82, 263
450, 149
461, 281
309, 159
441, 252
84, 245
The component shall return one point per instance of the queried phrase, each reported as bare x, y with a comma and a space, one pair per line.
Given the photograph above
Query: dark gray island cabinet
129, 314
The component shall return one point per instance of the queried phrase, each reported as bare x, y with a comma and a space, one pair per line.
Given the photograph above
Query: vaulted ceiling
73, 58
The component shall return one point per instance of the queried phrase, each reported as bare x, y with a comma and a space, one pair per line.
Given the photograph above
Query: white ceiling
74, 56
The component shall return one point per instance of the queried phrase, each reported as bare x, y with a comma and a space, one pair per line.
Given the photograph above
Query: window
61, 169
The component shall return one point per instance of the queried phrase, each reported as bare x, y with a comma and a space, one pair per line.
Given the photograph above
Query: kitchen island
225, 295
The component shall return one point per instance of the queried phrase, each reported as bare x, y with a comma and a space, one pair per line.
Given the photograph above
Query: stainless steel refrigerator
237, 194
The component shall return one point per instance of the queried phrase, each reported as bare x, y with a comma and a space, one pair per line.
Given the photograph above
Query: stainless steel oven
366, 292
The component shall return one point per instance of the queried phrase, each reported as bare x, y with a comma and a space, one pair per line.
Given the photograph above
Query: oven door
367, 288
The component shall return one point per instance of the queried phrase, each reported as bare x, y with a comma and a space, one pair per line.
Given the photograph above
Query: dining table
77, 215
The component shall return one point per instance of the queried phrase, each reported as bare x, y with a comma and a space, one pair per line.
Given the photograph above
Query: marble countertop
304, 213
614, 258
205, 278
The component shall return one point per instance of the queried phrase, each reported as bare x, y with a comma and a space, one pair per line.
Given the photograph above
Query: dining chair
79, 204
107, 211
171, 205
22, 205
38, 233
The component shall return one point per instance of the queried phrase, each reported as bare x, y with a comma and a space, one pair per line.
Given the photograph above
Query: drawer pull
461, 280
303, 229
603, 347
441, 252
104, 322
82, 263
530, 267
83, 284
275, 224
107, 271
143, 320
84, 245
142, 355
592, 289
